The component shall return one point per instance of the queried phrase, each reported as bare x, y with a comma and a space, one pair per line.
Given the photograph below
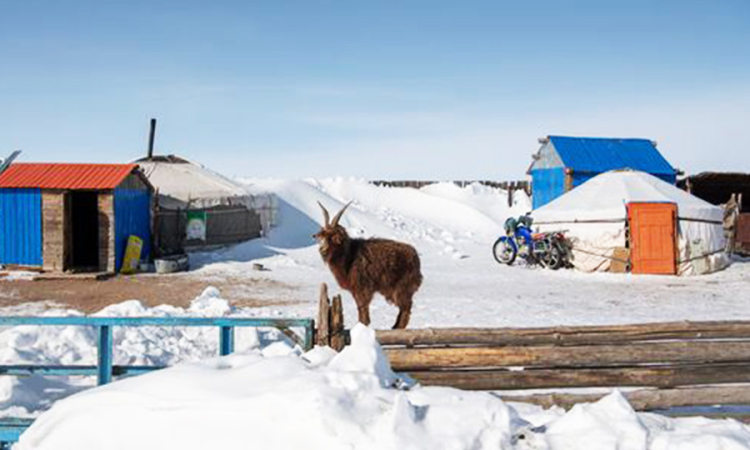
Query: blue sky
379, 89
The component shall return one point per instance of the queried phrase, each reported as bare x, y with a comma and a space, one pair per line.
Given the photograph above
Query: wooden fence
671, 364
510, 186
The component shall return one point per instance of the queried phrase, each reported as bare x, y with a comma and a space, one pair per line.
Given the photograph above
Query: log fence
658, 365
509, 186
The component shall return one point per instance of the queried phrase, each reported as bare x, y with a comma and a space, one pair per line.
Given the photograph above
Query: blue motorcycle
549, 250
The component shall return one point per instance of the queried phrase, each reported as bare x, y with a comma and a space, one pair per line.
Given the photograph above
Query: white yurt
197, 207
623, 220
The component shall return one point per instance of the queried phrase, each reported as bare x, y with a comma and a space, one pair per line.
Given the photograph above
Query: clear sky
379, 89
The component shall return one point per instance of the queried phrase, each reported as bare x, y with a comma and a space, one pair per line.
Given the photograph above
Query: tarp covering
191, 186
594, 217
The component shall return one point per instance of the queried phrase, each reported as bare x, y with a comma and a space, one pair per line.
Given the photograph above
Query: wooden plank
654, 376
563, 335
323, 334
407, 359
648, 399
739, 416
338, 338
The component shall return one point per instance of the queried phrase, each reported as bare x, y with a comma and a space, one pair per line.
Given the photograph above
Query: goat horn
325, 214
338, 216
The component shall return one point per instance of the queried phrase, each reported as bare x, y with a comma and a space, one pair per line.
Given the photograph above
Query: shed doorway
653, 238
83, 231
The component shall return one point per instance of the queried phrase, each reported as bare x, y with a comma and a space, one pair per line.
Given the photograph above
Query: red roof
65, 176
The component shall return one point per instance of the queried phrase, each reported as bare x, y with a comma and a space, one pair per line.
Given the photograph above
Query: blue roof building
563, 163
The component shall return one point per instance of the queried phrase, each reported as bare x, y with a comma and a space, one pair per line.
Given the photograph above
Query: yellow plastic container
132, 255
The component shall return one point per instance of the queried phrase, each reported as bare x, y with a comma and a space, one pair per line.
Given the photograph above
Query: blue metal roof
597, 155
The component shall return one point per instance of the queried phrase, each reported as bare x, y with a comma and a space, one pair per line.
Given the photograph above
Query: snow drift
350, 400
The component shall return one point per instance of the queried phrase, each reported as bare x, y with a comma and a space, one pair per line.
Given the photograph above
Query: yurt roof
183, 184
604, 198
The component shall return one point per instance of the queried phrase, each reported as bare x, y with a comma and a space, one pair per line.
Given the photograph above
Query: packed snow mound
347, 401
274, 402
440, 218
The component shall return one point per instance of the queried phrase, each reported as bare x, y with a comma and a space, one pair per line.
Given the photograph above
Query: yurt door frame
653, 238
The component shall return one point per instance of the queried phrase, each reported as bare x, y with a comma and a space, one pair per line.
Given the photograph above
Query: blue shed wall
132, 217
21, 227
547, 185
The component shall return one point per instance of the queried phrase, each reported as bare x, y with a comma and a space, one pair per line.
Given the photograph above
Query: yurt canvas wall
595, 218
198, 208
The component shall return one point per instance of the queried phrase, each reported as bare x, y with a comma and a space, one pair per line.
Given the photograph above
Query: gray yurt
197, 208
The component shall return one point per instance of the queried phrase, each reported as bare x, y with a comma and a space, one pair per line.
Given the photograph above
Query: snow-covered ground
314, 400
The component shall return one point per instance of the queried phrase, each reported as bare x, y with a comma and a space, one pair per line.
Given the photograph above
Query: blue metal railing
104, 370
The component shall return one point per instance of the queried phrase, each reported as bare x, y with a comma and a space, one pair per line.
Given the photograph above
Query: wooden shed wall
54, 243
56, 231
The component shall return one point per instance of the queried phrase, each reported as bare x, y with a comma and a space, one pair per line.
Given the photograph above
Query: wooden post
511, 191
337, 324
323, 334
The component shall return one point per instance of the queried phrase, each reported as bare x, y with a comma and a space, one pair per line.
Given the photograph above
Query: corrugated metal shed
598, 155
582, 158
65, 176
72, 216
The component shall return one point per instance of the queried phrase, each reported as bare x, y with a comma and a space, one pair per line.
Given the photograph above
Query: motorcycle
550, 249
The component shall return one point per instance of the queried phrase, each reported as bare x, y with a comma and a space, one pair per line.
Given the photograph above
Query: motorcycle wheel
503, 251
554, 258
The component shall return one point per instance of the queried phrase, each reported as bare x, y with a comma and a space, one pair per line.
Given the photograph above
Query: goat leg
403, 319
364, 314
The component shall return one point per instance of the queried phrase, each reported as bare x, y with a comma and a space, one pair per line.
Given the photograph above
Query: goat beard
324, 249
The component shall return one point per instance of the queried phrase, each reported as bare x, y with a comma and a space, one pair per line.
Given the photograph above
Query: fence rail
105, 370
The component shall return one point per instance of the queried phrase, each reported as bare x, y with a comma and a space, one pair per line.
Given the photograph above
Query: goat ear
340, 213
325, 214
337, 239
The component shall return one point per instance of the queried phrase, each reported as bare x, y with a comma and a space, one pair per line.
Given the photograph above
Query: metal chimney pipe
151, 139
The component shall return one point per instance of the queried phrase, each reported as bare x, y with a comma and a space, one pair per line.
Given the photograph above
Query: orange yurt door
653, 238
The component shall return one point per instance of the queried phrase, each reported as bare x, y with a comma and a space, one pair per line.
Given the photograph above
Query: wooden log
338, 337
672, 352
582, 335
323, 332
739, 416
654, 376
647, 399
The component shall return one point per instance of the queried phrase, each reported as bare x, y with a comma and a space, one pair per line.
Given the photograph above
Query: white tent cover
594, 217
186, 185
191, 186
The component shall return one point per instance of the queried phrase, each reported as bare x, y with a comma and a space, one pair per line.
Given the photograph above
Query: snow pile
350, 400
440, 218
148, 345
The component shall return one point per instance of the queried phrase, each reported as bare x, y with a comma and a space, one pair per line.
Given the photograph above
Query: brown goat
366, 266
